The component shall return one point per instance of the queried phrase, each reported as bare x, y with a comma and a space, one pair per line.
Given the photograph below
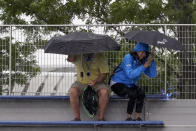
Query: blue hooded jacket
130, 70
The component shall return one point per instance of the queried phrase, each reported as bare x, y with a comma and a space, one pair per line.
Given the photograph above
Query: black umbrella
154, 38
81, 42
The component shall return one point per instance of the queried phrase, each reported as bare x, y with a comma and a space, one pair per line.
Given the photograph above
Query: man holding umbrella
91, 70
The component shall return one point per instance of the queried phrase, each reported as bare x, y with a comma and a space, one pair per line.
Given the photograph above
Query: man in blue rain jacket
126, 75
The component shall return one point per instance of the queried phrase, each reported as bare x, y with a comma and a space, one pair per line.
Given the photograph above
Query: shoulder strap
114, 71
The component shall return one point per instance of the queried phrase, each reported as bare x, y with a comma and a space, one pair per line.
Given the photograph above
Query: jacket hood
141, 47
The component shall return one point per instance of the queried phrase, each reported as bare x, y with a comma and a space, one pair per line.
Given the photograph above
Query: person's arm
99, 79
71, 58
151, 67
149, 61
103, 68
151, 71
130, 71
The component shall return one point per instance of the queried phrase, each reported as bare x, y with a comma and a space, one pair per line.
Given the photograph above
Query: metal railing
26, 70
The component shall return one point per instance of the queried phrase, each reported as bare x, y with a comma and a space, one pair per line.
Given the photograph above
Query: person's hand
149, 60
71, 58
99, 79
150, 57
92, 83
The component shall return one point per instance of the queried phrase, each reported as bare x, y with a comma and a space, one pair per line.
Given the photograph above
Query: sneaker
138, 119
76, 119
129, 119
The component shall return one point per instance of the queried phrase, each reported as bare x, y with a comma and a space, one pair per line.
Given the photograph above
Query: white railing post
10, 61
165, 65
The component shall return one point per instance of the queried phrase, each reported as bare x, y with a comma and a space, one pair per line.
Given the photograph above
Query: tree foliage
23, 63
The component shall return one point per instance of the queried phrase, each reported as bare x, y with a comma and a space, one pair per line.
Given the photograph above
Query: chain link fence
26, 70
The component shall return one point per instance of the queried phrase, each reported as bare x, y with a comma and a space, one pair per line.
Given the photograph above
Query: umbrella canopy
81, 42
154, 38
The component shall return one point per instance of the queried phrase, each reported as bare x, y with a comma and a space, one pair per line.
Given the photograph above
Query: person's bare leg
75, 102
129, 116
137, 115
103, 101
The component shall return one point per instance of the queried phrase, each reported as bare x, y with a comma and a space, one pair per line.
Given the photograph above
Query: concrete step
49, 113
53, 108
172, 112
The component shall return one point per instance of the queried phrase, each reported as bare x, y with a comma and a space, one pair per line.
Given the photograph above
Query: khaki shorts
81, 87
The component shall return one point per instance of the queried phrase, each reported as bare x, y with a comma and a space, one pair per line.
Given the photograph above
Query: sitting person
125, 77
91, 70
